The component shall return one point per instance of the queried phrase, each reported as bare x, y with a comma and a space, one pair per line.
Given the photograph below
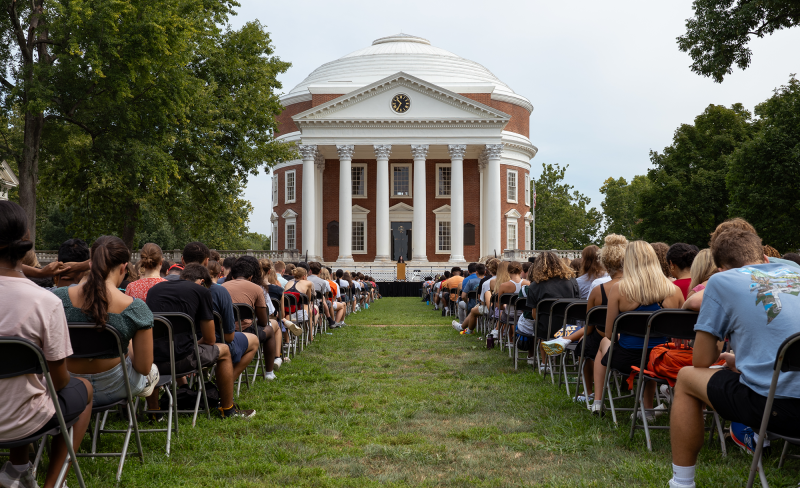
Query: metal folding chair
89, 341
595, 319
543, 315
162, 329
19, 356
574, 310
243, 311
520, 304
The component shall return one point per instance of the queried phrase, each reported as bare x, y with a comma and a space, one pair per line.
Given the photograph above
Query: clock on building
401, 103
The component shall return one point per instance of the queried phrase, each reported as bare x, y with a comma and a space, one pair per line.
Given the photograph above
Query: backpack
665, 361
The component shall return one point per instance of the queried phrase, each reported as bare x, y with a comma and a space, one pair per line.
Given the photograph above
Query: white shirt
599, 281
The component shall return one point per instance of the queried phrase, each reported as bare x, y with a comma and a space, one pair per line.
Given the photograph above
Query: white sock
755, 439
21, 468
683, 475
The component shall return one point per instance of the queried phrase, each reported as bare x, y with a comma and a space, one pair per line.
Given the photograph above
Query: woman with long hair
703, 267
98, 299
508, 280
150, 261
591, 269
643, 287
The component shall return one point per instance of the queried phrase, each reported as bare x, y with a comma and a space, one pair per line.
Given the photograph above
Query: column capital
382, 151
419, 151
457, 151
307, 151
319, 160
346, 151
493, 151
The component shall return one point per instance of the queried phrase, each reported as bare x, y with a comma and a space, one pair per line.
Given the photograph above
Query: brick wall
520, 117
505, 206
282, 207
320, 98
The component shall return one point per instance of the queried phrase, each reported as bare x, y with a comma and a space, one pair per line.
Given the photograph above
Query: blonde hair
612, 256
272, 277
502, 275
324, 274
702, 267
643, 282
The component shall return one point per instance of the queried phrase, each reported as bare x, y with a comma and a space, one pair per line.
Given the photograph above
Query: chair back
543, 310
472, 295
521, 305
218, 326
90, 341
632, 323
507, 298
319, 295
558, 311
243, 311
303, 300
576, 311
675, 323
184, 336
19, 356
276, 304
596, 317
789, 354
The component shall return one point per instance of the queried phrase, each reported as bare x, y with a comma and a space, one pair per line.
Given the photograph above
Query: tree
620, 205
562, 219
718, 35
688, 197
765, 171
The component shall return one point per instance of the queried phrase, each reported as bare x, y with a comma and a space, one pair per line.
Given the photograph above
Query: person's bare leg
225, 376
588, 374
58, 452
647, 395
247, 357
269, 349
340, 315
686, 417
276, 330
600, 370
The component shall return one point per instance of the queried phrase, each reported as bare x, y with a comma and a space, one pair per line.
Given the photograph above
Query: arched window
333, 233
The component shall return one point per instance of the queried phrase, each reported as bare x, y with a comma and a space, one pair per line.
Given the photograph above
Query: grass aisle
412, 406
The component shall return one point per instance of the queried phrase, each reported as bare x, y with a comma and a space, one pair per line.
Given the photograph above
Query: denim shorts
109, 387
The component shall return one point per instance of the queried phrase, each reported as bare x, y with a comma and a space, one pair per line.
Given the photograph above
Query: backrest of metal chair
218, 325
19, 356
558, 312
543, 310
789, 354
276, 304
318, 295
675, 323
244, 311
632, 323
184, 336
88, 340
303, 299
521, 304
507, 298
289, 301
472, 295
596, 317
575, 311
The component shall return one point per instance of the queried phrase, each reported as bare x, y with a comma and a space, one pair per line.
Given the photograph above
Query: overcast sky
606, 79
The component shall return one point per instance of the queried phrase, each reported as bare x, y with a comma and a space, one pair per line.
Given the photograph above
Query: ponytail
107, 252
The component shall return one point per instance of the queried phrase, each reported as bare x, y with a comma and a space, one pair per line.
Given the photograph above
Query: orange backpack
665, 361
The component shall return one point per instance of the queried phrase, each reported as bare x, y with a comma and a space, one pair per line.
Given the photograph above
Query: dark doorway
401, 240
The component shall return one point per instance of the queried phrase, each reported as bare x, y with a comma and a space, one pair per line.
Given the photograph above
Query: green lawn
413, 406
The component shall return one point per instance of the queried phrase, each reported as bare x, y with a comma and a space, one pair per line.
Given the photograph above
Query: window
359, 244
290, 189
443, 236
511, 186
274, 189
527, 235
511, 235
333, 233
359, 180
273, 241
401, 180
527, 190
469, 234
290, 235
443, 179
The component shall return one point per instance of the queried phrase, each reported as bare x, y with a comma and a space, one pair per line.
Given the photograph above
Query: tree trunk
129, 227
29, 169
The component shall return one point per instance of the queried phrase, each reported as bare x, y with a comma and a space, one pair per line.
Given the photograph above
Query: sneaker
152, 381
666, 394
337, 325
444, 311
650, 416
235, 411
270, 376
544, 368
278, 362
597, 408
465, 331
582, 398
556, 346
11, 478
366, 305
743, 436
292, 327
674, 484
532, 361
155, 417
457, 326
660, 410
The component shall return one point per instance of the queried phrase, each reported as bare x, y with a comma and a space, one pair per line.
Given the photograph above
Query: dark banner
399, 288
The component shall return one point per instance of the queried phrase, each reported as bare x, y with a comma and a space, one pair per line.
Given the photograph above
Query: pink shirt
139, 288
35, 314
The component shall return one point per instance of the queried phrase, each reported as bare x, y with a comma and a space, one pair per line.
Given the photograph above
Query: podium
401, 271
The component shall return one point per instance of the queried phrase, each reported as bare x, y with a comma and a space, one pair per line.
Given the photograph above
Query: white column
457, 202
483, 162
382, 225
309, 204
494, 214
345, 204
320, 165
418, 227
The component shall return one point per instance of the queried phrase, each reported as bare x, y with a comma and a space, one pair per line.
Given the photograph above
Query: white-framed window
527, 235
274, 189
359, 231
511, 235
358, 180
291, 234
443, 180
511, 186
401, 180
443, 229
290, 189
273, 241
527, 189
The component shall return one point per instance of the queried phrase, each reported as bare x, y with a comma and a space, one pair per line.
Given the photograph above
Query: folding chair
162, 329
574, 312
542, 314
558, 321
323, 322
450, 303
243, 311
678, 324
635, 324
595, 318
787, 359
291, 342
521, 305
290, 301
183, 326
89, 341
19, 356
307, 321
503, 335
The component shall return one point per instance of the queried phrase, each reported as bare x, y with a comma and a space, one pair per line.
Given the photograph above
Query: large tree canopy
562, 218
717, 36
127, 107
687, 197
620, 205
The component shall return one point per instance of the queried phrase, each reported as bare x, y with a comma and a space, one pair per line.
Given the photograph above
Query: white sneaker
555, 346
292, 327
544, 368
152, 381
665, 393
457, 326
673, 484
270, 375
596, 408
11, 478
532, 361
660, 410
650, 416
278, 362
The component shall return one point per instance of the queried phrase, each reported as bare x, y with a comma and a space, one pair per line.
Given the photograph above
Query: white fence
288, 256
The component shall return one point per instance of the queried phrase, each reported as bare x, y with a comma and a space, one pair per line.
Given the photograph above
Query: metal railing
289, 255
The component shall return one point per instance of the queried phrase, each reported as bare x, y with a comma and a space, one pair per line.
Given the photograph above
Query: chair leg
783, 453
68, 436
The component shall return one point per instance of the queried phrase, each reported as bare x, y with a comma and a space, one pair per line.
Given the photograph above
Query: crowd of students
100, 285
746, 293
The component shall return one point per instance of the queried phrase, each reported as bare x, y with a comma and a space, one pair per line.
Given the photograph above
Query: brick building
413, 150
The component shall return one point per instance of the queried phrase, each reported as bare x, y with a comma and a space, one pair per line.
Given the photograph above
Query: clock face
401, 103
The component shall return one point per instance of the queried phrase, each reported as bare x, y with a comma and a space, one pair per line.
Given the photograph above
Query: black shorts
72, 399
736, 402
623, 359
592, 344
208, 356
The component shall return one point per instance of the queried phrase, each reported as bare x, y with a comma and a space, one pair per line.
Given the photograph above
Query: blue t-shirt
469, 284
223, 304
758, 306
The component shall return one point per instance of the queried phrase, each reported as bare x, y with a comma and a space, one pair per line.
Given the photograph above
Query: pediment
358, 209
289, 214
444, 209
273, 217
7, 174
401, 207
513, 214
428, 103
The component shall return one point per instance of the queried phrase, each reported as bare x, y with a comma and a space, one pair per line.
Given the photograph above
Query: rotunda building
406, 150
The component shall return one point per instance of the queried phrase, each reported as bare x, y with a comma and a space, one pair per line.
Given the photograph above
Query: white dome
410, 54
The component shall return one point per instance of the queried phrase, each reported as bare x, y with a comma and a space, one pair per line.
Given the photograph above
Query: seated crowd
100, 285
752, 306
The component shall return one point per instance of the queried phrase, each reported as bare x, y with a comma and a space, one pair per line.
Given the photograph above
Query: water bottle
490, 341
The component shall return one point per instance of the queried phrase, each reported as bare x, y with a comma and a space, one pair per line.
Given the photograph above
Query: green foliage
562, 218
765, 171
620, 205
687, 197
717, 37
